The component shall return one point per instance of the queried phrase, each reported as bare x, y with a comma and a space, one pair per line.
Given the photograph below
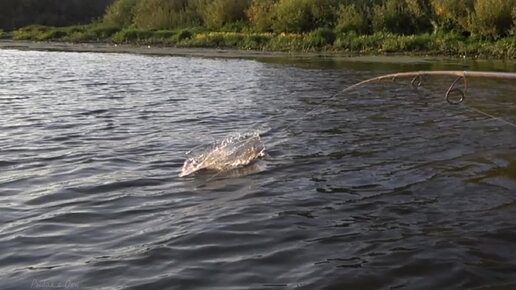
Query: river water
379, 188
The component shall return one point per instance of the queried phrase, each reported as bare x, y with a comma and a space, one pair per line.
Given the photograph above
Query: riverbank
318, 42
223, 53
139, 49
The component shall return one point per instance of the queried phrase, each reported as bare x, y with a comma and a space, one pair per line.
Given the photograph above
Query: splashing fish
226, 154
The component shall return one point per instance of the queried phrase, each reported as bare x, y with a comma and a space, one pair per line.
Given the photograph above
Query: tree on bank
485, 18
486, 27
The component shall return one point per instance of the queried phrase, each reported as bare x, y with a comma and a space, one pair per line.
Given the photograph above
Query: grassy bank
323, 40
472, 28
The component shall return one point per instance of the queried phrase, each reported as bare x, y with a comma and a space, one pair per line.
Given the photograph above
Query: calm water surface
381, 188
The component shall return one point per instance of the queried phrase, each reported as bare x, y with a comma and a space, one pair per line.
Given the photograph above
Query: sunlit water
226, 154
381, 188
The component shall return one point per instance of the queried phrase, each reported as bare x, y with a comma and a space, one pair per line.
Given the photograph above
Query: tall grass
80, 33
455, 27
351, 18
321, 39
401, 16
487, 18
218, 13
451, 15
492, 18
120, 13
260, 16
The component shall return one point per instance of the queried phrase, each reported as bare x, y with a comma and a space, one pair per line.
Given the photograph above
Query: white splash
226, 154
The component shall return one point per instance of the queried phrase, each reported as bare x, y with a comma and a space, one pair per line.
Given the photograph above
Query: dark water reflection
381, 188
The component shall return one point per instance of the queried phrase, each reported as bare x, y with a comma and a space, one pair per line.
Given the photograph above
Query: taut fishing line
239, 150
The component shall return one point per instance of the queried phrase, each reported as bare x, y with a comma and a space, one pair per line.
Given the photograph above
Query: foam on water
228, 153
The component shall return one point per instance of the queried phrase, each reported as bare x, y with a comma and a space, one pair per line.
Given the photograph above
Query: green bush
218, 13
120, 13
260, 14
320, 37
211, 39
400, 16
163, 14
119, 37
513, 29
382, 42
30, 32
505, 48
256, 40
419, 42
450, 15
459, 27
405, 43
43, 33
389, 16
104, 31
233, 40
227, 40
293, 16
347, 42
361, 43
351, 19
77, 28
287, 42
53, 34
184, 34
81, 36
514, 16
324, 12
447, 42
133, 35
492, 18
164, 34
238, 26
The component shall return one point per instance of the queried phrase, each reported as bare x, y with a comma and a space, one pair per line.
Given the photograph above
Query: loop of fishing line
417, 82
455, 94
453, 89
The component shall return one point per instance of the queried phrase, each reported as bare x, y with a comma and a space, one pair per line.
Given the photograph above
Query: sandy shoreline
150, 50
241, 54
207, 52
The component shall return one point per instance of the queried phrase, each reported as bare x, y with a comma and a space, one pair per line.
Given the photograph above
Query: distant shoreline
190, 51
142, 49
229, 53
212, 52
260, 29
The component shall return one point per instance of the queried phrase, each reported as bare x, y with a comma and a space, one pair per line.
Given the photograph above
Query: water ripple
380, 188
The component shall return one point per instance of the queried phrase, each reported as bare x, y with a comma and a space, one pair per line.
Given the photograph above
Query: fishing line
455, 94
453, 89
490, 116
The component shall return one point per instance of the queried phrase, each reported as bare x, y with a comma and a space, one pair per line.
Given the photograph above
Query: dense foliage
486, 18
